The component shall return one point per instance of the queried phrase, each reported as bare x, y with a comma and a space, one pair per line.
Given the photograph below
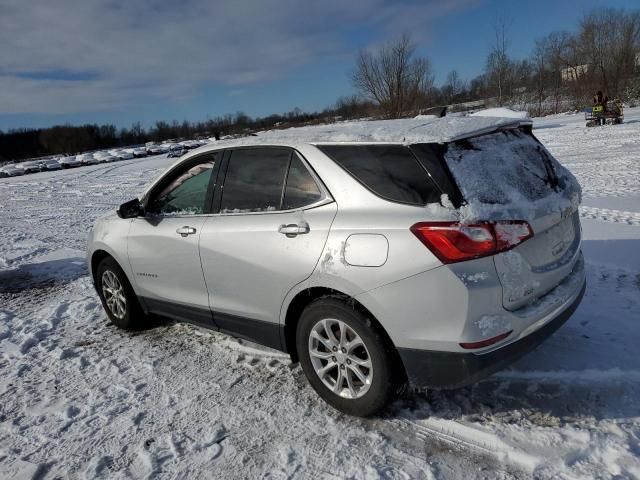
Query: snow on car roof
501, 112
411, 130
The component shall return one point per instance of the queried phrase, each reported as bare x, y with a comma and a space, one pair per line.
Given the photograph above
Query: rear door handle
184, 231
293, 229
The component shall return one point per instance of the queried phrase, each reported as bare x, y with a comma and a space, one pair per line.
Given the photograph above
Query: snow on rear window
501, 168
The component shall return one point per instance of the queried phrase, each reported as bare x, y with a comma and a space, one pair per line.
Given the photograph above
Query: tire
127, 314
386, 377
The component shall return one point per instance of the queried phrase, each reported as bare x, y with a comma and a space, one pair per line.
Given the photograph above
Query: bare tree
353, 107
393, 77
609, 40
540, 66
561, 53
453, 87
498, 62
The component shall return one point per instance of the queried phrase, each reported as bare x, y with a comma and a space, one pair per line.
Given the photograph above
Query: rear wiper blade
548, 166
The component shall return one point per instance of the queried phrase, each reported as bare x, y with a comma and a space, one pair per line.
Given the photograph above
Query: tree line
563, 72
67, 139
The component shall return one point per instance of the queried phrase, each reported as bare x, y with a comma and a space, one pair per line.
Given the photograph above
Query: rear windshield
390, 171
502, 168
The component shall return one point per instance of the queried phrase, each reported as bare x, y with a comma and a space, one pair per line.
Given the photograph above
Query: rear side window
390, 171
255, 180
431, 156
301, 189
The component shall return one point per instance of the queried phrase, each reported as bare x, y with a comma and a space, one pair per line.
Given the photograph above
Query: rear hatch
509, 175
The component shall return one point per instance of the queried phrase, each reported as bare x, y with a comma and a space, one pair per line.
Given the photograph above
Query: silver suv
375, 253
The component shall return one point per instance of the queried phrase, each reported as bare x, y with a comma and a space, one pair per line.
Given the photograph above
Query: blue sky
115, 61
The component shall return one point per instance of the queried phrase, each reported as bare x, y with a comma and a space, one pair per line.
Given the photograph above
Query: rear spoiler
525, 124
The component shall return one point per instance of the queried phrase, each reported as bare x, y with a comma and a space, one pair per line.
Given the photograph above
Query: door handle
293, 229
186, 230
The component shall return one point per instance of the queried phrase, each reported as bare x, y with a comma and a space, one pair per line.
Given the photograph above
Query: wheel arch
305, 297
96, 257
99, 254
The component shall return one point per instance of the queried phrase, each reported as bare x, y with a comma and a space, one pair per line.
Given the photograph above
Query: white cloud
120, 50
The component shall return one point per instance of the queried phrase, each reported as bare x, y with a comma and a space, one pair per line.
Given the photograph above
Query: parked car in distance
176, 150
156, 150
70, 161
104, 157
190, 144
139, 152
121, 154
152, 148
434, 256
88, 159
51, 164
12, 170
29, 167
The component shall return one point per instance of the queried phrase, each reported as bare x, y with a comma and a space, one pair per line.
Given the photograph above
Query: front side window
186, 194
255, 180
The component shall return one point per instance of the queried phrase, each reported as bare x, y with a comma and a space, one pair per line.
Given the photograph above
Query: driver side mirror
131, 209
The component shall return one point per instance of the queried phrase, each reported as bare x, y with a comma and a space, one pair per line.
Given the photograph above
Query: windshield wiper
548, 166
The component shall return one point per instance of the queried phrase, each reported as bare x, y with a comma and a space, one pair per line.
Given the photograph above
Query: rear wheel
346, 359
118, 298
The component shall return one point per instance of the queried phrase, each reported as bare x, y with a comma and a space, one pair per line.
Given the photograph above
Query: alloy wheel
340, 358
114, 294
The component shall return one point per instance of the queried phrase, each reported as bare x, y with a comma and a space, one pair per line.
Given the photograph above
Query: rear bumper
448, 370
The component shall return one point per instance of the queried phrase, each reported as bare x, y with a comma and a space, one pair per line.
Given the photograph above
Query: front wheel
117, 296
346, 358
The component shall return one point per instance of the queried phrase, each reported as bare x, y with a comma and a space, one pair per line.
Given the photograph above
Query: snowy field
81, 399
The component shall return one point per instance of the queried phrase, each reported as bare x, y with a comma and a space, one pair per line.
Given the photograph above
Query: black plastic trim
286, 179
258, 331
176, 311
222, 173
449, 370
213, 183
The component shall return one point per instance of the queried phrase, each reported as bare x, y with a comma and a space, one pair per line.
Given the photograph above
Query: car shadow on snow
41, 275
588, 369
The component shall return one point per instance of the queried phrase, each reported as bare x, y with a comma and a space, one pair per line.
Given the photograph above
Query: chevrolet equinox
377, 254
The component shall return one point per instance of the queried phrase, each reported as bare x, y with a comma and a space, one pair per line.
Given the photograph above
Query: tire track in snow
470, 439
607, 215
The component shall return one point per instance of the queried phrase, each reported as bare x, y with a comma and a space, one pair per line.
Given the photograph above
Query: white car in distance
12, 171
88, 159
50, 165
29, 167
69, 162
123, 155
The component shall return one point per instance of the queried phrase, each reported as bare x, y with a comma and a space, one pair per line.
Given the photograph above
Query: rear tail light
455, 242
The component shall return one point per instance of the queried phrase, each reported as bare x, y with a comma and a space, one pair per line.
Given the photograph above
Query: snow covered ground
81, 399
